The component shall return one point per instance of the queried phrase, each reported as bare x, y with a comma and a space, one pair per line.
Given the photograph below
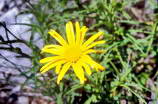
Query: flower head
72, 53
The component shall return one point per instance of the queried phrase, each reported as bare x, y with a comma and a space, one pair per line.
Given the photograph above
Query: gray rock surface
11, 66
9, 10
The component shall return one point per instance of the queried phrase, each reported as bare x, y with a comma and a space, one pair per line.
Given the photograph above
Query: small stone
23, 100
3, 94
16, 89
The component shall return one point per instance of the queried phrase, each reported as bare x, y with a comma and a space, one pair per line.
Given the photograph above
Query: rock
9, 17
23, 100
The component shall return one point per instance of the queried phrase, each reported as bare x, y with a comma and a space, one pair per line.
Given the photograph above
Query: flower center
72, 53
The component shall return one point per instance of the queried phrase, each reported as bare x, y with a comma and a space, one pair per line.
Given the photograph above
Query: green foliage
123, 79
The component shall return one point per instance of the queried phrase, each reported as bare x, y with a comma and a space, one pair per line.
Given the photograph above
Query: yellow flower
72, 53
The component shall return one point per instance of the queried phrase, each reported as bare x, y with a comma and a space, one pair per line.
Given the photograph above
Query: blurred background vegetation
131, 57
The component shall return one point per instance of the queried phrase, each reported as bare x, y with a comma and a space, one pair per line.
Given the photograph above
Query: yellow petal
58, 68
94, 44
48, 59
46, 65
55, 35
53, 51
87, 59
77, 25
93, 51
83, 31
100, 51
87, 69
63, 71
79, 72
89, 51
51, 46
50, 65
70, 33
92, 38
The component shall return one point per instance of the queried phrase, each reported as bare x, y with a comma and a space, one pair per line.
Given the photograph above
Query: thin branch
19, 69
16, 50
12, 41
3, 24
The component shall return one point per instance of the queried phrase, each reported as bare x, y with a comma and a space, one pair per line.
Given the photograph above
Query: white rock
9, 17
23, 100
